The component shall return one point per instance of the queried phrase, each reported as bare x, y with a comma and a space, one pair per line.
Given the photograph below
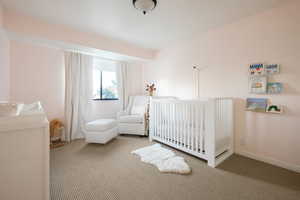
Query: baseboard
278, 163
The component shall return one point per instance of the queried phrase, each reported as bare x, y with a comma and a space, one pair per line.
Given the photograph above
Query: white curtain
123, 83
78, 92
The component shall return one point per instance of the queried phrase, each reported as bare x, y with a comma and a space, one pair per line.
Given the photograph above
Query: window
105, 85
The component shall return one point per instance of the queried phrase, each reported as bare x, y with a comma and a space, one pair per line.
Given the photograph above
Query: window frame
101, 84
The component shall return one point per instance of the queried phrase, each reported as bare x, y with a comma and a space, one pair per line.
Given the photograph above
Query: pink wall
4, 67
272, 37
1, 16
4, 62
37, 71
29, 26
37, 74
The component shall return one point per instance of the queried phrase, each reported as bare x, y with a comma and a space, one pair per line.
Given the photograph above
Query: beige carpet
81, 171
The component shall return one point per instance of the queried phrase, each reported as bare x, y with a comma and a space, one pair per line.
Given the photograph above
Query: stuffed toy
56, 130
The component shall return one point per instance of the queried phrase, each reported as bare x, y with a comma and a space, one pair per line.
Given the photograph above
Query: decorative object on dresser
56, 132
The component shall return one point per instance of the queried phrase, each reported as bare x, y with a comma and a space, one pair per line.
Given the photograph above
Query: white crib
203, 128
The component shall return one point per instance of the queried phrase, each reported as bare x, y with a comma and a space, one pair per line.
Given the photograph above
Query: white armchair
133, 119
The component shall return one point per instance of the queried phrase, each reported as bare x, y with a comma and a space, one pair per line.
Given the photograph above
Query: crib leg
150, 138
211, 161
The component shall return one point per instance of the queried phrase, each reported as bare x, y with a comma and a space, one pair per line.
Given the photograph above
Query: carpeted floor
81, 171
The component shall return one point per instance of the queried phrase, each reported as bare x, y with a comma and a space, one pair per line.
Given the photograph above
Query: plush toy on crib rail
56, 133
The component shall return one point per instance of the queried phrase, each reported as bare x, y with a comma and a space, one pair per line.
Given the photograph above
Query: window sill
105, 99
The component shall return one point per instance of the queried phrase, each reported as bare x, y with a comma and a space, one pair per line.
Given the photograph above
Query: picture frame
276, 109
274, 88
258, 84
271, 69
256, 104
257, 69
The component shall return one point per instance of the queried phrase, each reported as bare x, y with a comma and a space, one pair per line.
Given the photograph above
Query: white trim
272, 161
67, 46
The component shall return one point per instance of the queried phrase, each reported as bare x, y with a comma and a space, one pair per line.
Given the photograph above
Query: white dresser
24, 157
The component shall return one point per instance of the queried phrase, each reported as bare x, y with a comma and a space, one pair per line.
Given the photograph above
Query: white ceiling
171, 21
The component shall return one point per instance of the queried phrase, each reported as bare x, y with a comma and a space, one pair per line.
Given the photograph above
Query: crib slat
181, 124
192, 128
174, 127
195, 130
200, 127
178, 114
167, 121
169, 124
185, 124
159, 121
153, 119
163, 122
201, 135
177, 123
156, 119
173, 123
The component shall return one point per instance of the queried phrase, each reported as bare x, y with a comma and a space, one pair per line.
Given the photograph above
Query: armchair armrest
122, 113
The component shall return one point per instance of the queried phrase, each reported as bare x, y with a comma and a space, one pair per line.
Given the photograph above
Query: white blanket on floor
164, 159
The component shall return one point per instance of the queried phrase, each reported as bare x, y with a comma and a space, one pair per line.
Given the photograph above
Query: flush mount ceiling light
144, 5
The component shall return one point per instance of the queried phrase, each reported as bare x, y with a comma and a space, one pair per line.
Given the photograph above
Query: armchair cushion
138, 110
131, 119
139, 105
101, 125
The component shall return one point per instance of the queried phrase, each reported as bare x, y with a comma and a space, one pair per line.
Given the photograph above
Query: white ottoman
101, 130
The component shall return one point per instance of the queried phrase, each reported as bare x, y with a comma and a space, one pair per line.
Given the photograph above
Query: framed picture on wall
272, 69
277, 109
256, 104
258, 84
256, 69
274, 88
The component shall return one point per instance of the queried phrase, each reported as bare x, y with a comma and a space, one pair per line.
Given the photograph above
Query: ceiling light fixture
144, 5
